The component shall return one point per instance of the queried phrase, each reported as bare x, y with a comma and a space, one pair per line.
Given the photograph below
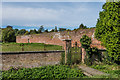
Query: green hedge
45, 72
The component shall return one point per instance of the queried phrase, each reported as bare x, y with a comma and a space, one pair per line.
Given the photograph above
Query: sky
31, 15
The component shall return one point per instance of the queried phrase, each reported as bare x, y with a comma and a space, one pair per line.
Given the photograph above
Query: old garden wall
30, 59
56, 38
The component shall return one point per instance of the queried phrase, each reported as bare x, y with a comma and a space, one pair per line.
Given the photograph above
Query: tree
108, 29
8, 35
62, 29
27, 33
46, 30
33, 31
41, 29
82, 26
9, 26
68, 30
52, 30
85, 41
21, 32
16, 30
56, 29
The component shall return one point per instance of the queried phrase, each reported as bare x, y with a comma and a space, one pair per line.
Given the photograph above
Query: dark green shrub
45, 72
69, 61
76, 55
107, 59
108, 29
62, 58
85, 42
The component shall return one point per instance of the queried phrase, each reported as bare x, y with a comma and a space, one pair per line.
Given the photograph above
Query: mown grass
13, 47
112, 70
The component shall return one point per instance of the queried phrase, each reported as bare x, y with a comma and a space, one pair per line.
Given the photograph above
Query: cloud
54, 0
30, 14
0, 14
50, 14
40, 14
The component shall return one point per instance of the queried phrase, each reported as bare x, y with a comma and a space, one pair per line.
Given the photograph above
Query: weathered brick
56, 38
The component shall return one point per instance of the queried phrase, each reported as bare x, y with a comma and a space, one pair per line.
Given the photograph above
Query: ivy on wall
85, 42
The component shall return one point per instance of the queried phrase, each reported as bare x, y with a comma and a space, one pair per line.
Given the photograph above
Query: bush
85, 42
46, 72
62, 58
108, 29
8, 35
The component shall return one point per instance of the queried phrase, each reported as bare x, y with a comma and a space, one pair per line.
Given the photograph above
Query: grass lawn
113, 70
12, 47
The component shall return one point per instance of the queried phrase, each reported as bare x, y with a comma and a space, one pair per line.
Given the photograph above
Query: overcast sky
31, 15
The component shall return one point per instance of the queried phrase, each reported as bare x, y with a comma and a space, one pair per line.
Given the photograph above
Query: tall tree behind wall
108, 29
8, 34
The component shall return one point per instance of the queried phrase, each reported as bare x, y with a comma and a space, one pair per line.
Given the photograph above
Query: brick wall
30, 59
56, 38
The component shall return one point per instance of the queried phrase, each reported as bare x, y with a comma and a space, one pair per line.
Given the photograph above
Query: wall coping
27, 52
52, 51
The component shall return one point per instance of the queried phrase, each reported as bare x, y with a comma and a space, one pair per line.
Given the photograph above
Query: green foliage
8, 35
41, 29
45, 72
16, 30
9, 27
62, 29
52, 30
56, 29
107, 59
82, 26
68, 30
88, 58
113, 70
27, 33
76, 55
46, 30
85, 41
21, 32
62, 62
32, 32
69, 61
108, 29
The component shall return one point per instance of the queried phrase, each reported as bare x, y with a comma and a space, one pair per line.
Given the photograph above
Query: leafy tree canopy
46, 30
85, 41
108, 29
41, 29
56, 29
82, 26
33, 32
21, 32
8, 35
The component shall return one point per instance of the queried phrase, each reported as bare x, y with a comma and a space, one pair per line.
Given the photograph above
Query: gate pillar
67, 47
83, 55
